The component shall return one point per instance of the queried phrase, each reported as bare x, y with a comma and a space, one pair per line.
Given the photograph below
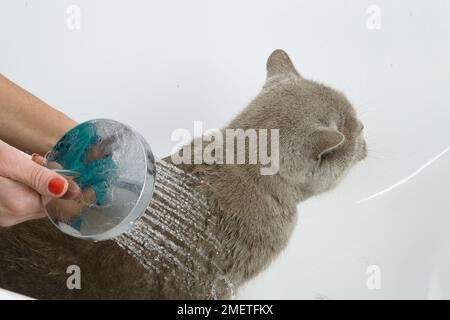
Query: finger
34, 216
10, 221
18, 203
73, 190
102, 149
89, 197
44, 181
40, 160
18, 200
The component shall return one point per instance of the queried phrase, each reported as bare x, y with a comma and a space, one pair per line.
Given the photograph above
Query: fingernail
38, 158
56, 186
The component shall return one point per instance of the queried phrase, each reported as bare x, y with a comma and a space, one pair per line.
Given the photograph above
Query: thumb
44, 181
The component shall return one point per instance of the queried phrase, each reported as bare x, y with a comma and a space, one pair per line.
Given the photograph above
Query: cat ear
324, 141
279, 63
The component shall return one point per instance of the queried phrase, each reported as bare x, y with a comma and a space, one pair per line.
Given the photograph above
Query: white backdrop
160, 65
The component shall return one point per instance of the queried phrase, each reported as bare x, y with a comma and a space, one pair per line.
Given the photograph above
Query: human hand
23, 182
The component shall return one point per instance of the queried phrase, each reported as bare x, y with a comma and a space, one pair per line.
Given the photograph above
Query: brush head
115, 170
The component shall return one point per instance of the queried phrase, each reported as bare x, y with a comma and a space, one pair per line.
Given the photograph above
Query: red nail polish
56, 186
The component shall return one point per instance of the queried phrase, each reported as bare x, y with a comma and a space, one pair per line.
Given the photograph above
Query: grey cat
320, 140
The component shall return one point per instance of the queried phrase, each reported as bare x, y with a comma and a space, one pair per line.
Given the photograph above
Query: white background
160, 65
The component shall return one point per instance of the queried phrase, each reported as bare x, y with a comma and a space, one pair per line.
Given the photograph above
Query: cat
320, 140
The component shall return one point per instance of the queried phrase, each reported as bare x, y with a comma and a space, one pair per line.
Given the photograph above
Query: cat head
320, 136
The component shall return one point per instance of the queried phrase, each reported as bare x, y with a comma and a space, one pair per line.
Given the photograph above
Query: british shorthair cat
320, 140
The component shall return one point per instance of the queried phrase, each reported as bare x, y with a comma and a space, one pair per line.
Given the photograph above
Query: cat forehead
310, 94
330, 101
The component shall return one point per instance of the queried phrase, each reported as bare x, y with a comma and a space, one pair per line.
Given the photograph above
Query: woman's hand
23, 182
